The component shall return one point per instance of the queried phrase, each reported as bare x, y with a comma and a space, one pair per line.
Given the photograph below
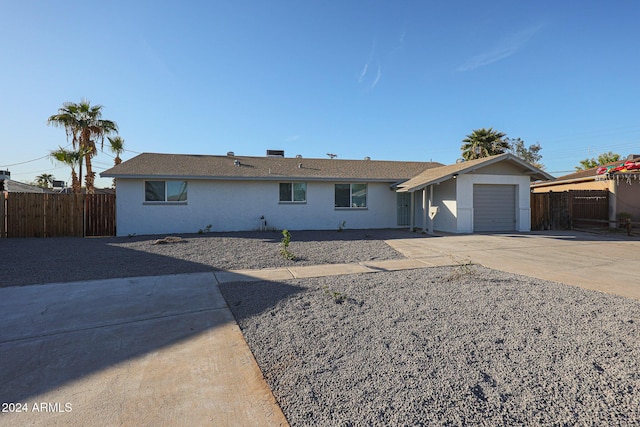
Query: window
351, 196
165, 191
293, 192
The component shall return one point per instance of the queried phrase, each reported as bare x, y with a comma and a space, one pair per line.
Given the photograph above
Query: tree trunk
90, 176
75, 183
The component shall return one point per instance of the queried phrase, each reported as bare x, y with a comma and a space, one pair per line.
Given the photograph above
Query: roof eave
426, 184
249, 178
564, 181
529, 170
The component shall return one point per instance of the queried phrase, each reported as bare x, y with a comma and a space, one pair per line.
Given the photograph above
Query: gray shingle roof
190, 166
584, 175
444, 173
12, 186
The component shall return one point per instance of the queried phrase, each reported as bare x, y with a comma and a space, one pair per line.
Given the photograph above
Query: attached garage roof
188, 166
445, 173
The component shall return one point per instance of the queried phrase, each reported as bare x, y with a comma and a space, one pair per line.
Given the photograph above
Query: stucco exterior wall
238, 206
628, 198
464, 191
445, 198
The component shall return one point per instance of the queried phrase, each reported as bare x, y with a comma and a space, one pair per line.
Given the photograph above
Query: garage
489, 194
494, 207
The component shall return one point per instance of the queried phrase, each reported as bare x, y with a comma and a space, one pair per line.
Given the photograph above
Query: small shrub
623, 219
207, 229
465, 268
341, 226
284, 245
337, 297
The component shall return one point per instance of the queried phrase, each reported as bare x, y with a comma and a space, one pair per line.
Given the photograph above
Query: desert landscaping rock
38, 261
443, 346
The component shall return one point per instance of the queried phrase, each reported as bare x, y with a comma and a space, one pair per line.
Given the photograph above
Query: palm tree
116, 146
483, 143
72, 159
44, 180
84, 125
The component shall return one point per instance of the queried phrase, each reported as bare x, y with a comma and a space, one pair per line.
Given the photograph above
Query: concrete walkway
288, 273
145, 351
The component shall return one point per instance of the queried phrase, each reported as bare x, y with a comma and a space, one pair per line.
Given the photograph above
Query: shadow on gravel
69, 259
249, 299
52, 260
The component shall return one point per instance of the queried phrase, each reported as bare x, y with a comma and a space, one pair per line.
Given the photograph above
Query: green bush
284, 245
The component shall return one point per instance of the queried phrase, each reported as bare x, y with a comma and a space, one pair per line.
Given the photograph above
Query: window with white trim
293, 192
351, 195
165, 191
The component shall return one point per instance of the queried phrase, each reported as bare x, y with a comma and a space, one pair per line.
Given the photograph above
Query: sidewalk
435, 259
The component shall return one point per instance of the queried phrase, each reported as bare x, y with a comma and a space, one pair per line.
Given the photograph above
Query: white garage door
494, 207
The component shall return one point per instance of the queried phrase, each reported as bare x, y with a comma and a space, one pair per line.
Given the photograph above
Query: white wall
464, 191
444, 196
238, 205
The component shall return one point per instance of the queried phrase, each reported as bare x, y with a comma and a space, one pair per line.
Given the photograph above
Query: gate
57, 215
564, 210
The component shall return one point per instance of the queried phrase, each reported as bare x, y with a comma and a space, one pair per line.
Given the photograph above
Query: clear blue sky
393, 80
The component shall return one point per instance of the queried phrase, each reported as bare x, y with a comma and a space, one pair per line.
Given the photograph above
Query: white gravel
443, 346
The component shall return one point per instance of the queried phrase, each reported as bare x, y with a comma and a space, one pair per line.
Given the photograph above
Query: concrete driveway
143, 351
602, 262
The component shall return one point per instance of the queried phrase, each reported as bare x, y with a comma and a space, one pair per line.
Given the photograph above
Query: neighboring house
8, 185
623, 186
172, 193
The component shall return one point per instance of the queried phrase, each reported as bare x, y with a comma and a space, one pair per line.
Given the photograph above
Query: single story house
7, 185
623, 185
176, 193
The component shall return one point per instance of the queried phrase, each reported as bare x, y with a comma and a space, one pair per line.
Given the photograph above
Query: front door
404, 209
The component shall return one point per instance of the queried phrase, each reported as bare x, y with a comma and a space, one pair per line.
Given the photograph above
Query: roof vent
459, 160
367, 158
298, 156
230, 153
275, 153
236, 162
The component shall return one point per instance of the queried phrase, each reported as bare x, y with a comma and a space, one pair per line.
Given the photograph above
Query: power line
22, 163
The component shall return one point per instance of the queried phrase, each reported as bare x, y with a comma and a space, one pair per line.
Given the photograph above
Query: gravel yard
443, 346
36, 261
459, 345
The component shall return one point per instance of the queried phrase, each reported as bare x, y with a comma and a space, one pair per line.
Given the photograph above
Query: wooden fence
568, 209
57, 215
